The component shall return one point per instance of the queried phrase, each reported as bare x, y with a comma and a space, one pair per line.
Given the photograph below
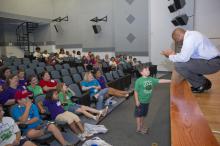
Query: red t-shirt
51, 83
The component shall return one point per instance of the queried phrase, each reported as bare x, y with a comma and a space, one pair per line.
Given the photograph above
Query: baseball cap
20, 94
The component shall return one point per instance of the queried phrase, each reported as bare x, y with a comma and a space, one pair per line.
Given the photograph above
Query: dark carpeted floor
122, 127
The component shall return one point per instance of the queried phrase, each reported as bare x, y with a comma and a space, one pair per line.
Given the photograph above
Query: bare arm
137, 103
164, 81
10, 102
24, 117
46, 88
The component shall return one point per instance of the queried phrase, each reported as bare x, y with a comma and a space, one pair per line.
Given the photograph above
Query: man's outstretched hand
167, 52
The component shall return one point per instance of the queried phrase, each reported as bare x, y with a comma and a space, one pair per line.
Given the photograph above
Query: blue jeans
100, 103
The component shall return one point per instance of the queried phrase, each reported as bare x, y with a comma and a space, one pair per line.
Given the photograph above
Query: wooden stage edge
188, 124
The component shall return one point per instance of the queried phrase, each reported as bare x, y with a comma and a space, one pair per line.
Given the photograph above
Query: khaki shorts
68, 117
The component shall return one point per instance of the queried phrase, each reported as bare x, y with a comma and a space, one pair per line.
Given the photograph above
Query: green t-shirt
66, 100
144, 87
37, 90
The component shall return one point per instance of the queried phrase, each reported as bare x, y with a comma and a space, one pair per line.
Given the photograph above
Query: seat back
77, 78
121, 73
32, 65
115, 75
49, 68
39, 70
41, 64
58, 67
64, 72
67, 80
73, 70
109, 77
76, 89
66, 66
29, 72
80, 69
55, 74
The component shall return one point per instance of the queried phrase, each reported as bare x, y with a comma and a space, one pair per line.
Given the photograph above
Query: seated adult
10, 134
46, 82
198, 57
27, 113
106, 59
111, 91
5, 73
113, 63
65, 95
7, 96
37, 54
78, 55
95, 91
62, 53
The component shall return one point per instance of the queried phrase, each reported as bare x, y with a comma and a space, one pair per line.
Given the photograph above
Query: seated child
65, 96
111, 91
22, 82
58, 113
10, 134
27, 113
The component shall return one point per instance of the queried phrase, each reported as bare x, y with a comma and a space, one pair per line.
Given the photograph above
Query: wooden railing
188, 125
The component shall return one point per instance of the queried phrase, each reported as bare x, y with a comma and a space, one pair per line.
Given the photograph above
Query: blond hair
86, 76
59, 87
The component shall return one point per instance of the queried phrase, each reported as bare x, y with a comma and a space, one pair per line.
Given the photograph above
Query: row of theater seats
72, 76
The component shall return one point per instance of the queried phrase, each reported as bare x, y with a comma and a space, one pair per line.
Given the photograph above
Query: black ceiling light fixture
96, 19
60, 19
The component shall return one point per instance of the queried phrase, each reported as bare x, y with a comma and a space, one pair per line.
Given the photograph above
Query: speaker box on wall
172, 8
96, 28
179, 4
175, 22
180, 20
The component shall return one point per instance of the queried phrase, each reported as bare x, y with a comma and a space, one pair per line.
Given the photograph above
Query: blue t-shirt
18, 111
92, 91
8, 93
102, 82
54, 106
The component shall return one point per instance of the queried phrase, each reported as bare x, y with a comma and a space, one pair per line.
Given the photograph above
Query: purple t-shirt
8, 93
102, 82
54, 106
22, 82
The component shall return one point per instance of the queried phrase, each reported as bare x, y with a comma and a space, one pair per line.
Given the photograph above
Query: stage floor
209, 103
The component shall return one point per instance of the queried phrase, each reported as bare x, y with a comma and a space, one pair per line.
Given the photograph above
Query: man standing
198, 56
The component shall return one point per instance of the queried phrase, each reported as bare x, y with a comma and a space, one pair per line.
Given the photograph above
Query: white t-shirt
62, 55
8, 130
45, 55
37, 54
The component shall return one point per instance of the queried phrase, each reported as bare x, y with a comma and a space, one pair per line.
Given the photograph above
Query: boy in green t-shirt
143, 92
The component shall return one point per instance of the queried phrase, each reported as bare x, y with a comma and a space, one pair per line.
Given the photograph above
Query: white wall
68, 32
139, 28
78, 30
161, 29
207, 19
33, 8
